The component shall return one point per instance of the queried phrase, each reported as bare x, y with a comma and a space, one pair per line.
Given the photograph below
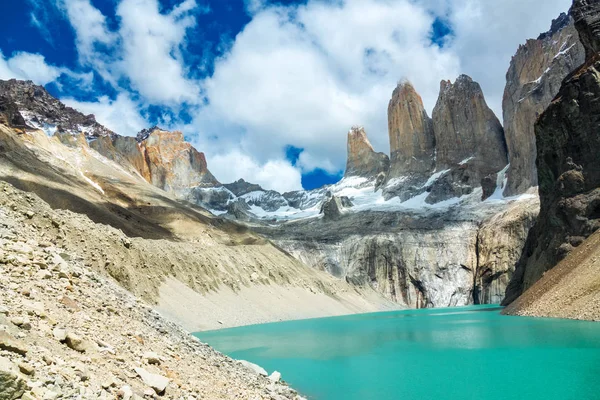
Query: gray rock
9, 343
157, 382
253, 367
532, 81
11, 386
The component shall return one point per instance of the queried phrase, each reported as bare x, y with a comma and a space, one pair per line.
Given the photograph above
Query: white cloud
300, 75
276, 174
152, 43
303, 75
28, 66
121, 115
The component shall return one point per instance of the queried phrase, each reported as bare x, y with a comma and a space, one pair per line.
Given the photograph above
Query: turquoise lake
458, 353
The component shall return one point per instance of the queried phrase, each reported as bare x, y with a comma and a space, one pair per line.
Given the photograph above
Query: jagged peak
357, 136
144, 133
557, 25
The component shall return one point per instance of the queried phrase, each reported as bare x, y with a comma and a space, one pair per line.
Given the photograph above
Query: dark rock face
241, 187
533, 79
466, 128
587, 22
568, 143
362, 159
412, 141
43, 109
10, 115
333, 207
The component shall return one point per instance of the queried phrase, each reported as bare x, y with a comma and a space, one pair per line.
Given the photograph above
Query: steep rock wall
568, 164
419, 263
533, 79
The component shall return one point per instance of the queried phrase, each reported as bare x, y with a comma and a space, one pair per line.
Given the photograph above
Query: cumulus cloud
275, 174
304, 74
299, 75
122, 115
152, 44
28, 66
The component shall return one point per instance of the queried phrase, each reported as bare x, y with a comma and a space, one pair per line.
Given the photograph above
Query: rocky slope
533, 79
62, 333
570, 290
151, 243
568, 164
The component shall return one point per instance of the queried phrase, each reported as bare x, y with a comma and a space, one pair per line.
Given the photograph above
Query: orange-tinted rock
362, 158
174, 164
411, 134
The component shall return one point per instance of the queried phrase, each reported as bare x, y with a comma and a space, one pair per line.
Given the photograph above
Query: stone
11, 386
275, 376
22, 323
362, 160
253, 367
412, 140
532, 81
157, 382
4, 310
26, 368
59, 334
9, 343
76, 343
151, 358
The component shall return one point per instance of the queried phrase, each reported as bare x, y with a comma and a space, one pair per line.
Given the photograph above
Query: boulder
11, 385
157, 382
9, 343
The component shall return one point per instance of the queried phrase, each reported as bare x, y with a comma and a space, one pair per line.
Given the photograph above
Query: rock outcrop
467, 129
568, 144
533, 79
424, 260
174, 164
412, 141
362, 159
42, 111
469, 140
587, 22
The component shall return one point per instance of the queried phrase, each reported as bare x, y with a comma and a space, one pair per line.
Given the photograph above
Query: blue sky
248, 80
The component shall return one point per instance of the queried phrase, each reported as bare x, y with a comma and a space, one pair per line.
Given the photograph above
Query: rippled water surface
459, 353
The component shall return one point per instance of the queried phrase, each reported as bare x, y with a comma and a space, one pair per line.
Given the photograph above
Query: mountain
163, 249
532, 81
569, 173
362, 158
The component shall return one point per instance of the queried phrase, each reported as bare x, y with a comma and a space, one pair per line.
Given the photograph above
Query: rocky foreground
66, 331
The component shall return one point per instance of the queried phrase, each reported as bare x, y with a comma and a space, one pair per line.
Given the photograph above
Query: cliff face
568, 165
465, 127
174, 164
412, 142
430, 261
362, 159
533, 79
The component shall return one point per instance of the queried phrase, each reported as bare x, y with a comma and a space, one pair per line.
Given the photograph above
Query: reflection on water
475, 342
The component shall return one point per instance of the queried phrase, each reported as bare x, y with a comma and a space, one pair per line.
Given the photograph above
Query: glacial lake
458, 353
